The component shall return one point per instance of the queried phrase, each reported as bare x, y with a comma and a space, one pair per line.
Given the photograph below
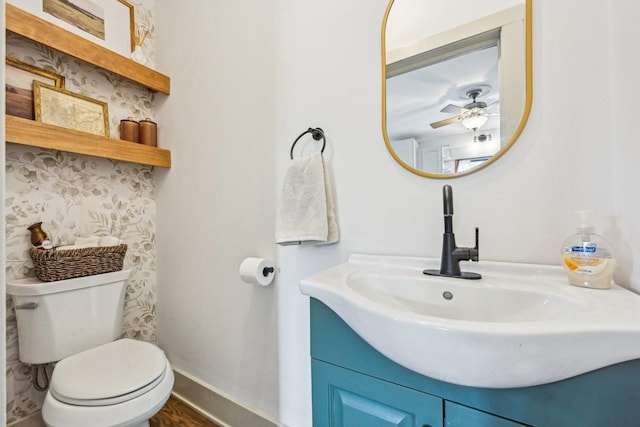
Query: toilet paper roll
257, 271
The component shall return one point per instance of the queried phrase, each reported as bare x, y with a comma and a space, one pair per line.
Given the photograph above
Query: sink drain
447, 295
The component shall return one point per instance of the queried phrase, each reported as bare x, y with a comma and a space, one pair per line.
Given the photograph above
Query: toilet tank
58, 319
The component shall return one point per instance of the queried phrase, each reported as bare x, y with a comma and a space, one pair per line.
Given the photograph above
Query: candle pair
144, 132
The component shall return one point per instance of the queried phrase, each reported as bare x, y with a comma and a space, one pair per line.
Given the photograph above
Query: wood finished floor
177, 414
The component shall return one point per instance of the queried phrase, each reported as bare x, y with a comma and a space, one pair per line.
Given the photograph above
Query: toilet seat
109, 374
132, 413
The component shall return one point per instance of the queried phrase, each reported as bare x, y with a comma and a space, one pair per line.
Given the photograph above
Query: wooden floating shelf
37, 134
37, 29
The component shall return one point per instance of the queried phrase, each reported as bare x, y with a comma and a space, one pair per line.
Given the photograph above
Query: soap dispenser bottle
587, 257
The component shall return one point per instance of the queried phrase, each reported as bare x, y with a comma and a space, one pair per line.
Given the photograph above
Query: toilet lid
108, 374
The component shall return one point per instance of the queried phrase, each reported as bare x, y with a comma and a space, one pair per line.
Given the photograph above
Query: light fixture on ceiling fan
472, 116
476, 117
482, 138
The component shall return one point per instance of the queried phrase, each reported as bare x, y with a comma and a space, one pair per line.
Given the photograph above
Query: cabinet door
344, 398
463, 416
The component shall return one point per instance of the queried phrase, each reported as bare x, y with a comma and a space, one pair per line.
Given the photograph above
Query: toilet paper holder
257, 271
268, 270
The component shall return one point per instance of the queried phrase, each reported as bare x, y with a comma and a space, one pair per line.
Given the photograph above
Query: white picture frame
118, 29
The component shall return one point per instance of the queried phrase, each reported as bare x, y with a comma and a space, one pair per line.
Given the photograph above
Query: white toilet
99, 380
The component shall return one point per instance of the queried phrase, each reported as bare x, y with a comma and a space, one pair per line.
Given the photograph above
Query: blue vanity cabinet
344, 398
463, 416
354, 385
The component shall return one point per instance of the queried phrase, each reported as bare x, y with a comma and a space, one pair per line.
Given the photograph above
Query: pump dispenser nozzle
585, 227
584, 218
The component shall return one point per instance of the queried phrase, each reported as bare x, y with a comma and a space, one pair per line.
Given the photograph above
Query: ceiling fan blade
453, 109
493, 104
436, 125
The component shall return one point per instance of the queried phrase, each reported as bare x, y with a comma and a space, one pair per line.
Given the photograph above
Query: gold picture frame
132, 23
60, 107
19, 78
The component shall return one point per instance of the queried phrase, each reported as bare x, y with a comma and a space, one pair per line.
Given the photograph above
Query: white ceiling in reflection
414, 99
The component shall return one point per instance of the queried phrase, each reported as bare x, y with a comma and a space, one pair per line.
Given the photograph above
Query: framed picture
108, 23
59, 107
19, 78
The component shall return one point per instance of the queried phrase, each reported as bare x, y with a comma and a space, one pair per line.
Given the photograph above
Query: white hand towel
109, 241
332, 222
72, 247
306, 210
87, 241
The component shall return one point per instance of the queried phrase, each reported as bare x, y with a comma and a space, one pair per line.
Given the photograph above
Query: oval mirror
456, 82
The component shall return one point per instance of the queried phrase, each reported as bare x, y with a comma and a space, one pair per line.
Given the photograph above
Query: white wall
216, 204
292, 64
624, 224
413, 20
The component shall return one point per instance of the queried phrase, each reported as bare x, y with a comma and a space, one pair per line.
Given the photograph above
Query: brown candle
129, 130
148, 132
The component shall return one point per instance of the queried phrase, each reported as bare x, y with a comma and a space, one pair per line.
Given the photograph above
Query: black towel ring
316, 133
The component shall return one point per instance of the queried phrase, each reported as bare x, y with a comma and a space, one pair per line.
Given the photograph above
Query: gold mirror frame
518, 130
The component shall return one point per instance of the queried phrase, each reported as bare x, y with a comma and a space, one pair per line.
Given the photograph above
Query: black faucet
451, 254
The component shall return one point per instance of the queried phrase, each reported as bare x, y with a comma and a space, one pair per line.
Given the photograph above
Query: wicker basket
52, 265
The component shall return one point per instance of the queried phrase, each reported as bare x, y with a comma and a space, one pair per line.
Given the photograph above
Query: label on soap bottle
586, 259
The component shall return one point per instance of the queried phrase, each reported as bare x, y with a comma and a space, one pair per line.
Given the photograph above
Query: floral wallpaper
75, 195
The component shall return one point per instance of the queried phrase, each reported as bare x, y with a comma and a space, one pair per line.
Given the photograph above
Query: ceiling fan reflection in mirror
472, 116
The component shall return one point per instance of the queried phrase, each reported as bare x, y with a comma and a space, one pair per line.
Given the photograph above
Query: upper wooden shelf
37, 134
37, 29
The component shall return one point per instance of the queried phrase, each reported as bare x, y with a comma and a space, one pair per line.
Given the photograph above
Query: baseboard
199, 396
215, 405
33, 420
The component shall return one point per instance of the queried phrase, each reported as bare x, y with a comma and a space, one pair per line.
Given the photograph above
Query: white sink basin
520, 325
461, 299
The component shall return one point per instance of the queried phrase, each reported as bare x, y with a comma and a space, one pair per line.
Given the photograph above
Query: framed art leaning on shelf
19, 78
59, 107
